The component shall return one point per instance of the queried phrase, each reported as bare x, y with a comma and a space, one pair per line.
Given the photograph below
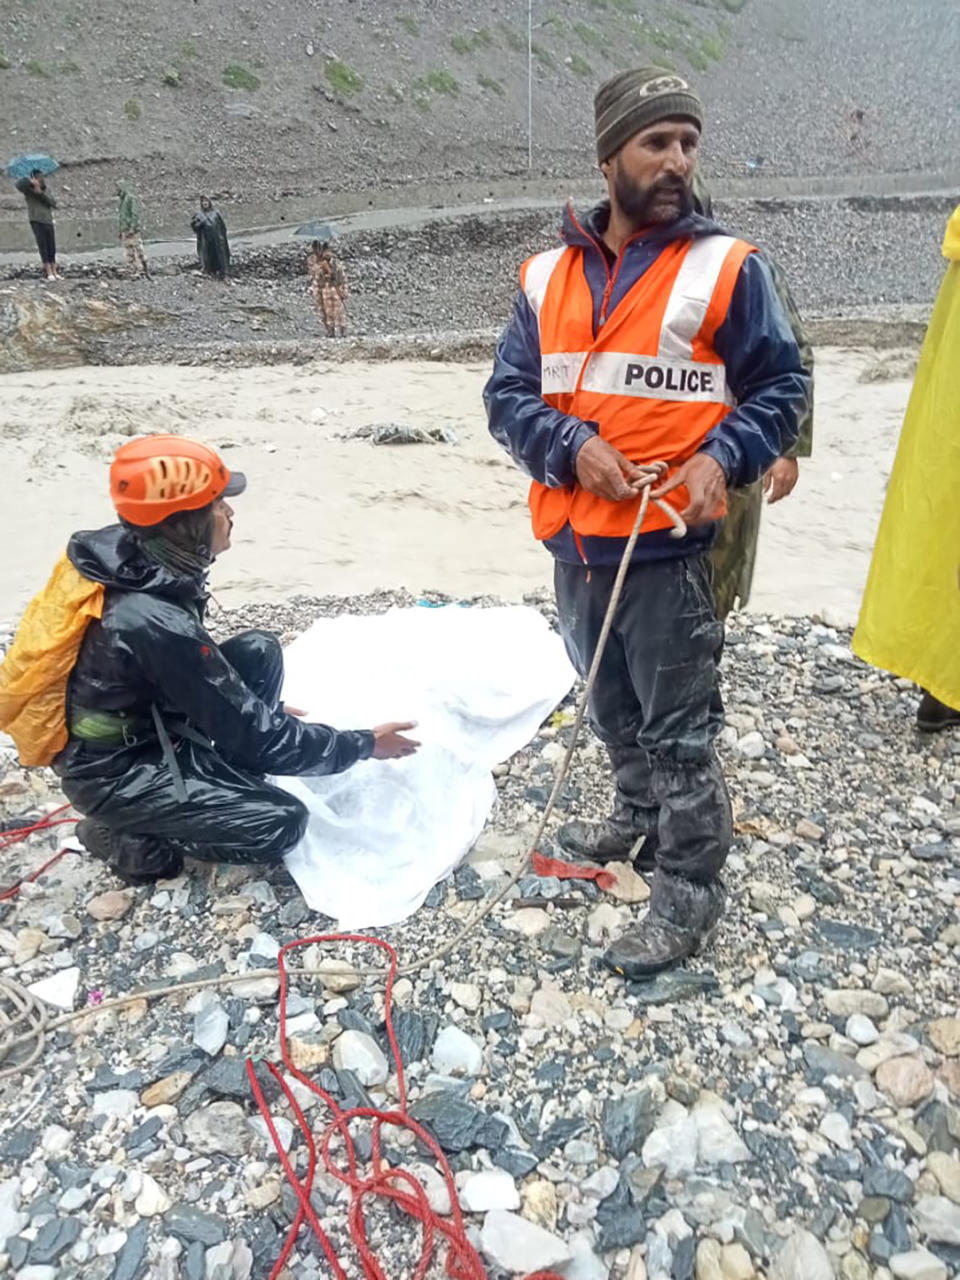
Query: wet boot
683, 918
630, 833
610, 840
134, 859
934, 715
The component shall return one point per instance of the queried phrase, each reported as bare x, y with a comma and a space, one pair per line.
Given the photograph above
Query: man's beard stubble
640, 203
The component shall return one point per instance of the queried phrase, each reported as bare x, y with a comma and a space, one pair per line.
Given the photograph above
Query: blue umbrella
317, 230
23, 166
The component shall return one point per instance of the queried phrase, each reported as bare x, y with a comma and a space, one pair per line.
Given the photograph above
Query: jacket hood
587, 231
951, 241
114, 557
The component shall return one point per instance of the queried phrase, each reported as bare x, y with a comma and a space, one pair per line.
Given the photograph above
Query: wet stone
558, 1134
415, 1033
628, 1121
621, 1231
516, 1162
191, 1225
684, 1259
467, 883
888, 1182
850, 937
53, 1239
131, 1255
457, 1124
144, 1133
194, 1265
675, 984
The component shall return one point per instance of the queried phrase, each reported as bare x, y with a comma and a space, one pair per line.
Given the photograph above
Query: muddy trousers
229, 814
656, 703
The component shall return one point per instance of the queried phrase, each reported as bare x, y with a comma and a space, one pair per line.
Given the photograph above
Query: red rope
462, 1262
9, 838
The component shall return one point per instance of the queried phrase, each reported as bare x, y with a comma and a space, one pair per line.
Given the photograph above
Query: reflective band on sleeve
691, 295
618, 373
559, 372
537, 276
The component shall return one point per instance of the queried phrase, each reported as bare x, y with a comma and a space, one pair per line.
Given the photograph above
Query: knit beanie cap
631, 100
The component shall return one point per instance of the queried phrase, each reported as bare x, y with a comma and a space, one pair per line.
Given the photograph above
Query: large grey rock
520, 1247
192, 1226
357, 1052
628, 1121
938, 1219
802, 1257
210, 1028
455, 1053
918, 1264
12, 1221
220, 1128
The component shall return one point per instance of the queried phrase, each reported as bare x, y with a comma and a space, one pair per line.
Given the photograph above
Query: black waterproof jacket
150, 648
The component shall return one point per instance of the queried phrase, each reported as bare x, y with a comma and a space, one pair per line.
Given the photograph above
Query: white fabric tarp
479, 683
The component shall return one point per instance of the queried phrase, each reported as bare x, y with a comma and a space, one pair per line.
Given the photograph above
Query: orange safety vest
650, 378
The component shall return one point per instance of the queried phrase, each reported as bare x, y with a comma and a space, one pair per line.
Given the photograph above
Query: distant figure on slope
40, 207
213, 247
328, 284
130, 228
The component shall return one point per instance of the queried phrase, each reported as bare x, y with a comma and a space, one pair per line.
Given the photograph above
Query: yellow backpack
35, 671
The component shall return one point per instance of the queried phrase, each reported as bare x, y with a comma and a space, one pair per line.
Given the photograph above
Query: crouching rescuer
161, 737
649, 334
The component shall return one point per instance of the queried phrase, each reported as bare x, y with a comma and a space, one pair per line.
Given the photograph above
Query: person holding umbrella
328, 280
29, 173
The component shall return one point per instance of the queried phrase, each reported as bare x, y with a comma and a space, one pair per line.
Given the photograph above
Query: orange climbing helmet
155, 476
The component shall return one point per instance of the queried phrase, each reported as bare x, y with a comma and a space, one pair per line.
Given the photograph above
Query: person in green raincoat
910, 615
130, 228
734, 555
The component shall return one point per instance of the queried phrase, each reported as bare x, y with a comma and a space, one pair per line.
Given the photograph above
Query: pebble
152, 1200
211, 1026
917, 1264
906, 1081
456, 1053
861, 1030
357, 1052
119, 1103
489, 1189
220, 1128
944, 1035
466, 994
60, 989
521, 1247
528, 921
112, 905
946, 1169
938, 1219
802, 1257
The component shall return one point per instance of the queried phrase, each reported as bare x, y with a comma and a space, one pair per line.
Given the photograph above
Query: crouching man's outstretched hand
389, 742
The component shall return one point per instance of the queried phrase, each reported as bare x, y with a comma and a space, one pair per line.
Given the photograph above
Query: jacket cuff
727, 455
584, 431
365, 743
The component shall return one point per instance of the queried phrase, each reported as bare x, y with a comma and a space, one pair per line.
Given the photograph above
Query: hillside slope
260, 100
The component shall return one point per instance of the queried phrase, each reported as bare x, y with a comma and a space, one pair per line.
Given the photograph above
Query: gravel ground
787, 1105
838, 255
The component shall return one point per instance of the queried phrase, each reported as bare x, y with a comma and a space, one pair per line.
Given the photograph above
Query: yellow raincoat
910, 616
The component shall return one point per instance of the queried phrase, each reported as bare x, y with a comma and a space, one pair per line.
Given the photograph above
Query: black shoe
933, 715
682, 919
134, 859
608, 841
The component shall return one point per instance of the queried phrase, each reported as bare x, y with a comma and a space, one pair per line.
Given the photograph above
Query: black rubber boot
608, 841
134, 859
933, 715
683, 918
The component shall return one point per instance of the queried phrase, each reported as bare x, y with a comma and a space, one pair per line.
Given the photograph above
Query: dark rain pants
229, 814
656, 702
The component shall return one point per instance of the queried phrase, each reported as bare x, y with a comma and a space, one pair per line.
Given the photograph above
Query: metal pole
529, 84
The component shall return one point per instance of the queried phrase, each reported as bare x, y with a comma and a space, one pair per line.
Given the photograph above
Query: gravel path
788, 1105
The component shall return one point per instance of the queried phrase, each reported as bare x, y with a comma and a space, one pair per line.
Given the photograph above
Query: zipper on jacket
611, 276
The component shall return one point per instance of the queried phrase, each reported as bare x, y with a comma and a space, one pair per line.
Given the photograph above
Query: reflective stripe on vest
655, 347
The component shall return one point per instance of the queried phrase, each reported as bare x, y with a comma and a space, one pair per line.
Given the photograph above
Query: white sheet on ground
479, 682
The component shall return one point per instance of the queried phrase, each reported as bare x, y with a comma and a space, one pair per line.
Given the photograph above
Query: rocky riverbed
786, 1106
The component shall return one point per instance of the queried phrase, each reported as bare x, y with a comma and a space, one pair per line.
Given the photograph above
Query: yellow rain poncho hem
910, 616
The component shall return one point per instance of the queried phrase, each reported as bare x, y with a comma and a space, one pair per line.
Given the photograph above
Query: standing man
40, 207
130, 228
649, 334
